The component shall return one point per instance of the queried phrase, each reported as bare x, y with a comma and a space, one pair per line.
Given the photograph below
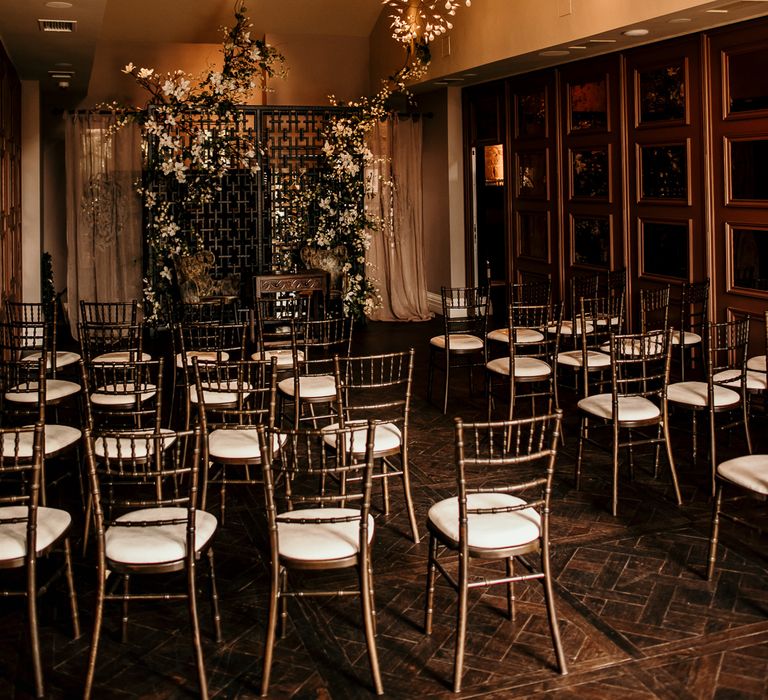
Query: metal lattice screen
245, 224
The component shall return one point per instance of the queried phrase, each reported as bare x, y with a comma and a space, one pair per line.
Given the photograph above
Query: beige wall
109, 83
319, 66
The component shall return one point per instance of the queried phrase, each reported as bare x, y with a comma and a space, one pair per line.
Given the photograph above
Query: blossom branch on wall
193, 134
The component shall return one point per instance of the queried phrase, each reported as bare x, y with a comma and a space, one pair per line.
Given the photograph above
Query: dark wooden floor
638, 619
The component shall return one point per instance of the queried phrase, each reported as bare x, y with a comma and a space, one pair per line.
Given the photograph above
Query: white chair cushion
239, 443
116, 446
631, 408
523, 336
104, 397
201, 355
575, 358
488, 530
55, 390
386, 436
284, 356
121, 356
219, 395
525, 367
64, 358
313, 386
750, 471
695, 394
458, 341
756, 381
320, 541
57, 437
568, 327
51, 524
756, 363
602, 322
688, 338
156, 544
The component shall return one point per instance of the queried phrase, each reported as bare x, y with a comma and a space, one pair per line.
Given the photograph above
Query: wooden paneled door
667, 236
487, 191
533, 206
739, 116
592, 192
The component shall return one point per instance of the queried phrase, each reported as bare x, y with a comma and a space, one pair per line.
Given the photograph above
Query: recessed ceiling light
554, 52
469, 75
679, 20
577, 48
63, 64
602, 41
717, 12
635, 32
440, 82
59, 5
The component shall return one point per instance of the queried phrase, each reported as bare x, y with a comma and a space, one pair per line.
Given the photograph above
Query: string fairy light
421, 20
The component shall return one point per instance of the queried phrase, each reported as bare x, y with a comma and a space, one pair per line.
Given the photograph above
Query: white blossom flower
129, 68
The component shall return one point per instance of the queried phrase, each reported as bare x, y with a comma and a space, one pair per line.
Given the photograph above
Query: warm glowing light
422, 20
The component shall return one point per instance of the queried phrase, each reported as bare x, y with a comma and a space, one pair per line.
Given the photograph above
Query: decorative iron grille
245, 224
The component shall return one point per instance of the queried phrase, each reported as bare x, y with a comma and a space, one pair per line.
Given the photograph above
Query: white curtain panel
104, 235
395, 259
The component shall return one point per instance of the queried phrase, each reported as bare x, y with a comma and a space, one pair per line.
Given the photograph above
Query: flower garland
197, 135
328, 207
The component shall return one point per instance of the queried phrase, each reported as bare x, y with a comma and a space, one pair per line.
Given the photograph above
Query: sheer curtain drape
396, 254
104, 242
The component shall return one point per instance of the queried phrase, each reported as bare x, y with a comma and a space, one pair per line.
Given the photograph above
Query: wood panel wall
680, 139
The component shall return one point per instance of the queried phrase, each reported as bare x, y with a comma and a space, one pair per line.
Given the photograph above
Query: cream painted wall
319, 66
109, 83
31, 203
54, 198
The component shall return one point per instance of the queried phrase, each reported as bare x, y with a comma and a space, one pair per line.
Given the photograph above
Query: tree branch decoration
327, 209
193, 134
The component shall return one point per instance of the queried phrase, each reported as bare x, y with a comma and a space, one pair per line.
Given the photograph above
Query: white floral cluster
194, 134
423, 20
329, 210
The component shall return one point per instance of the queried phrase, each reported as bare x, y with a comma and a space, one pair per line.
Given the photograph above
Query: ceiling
36, 54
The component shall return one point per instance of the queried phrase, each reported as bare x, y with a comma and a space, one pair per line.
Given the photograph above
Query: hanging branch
193, 134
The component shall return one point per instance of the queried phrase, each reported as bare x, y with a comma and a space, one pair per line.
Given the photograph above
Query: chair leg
126, 585
71, 588
461, 621
97, 620
745, 418
549, 599
715, 531
615, 487
510, 589
671, 460
580, 453
431, 575
214, 597
712, 449
370, 634
447, 376
406, 477
283, 603
269, 643
195, 623
34, 636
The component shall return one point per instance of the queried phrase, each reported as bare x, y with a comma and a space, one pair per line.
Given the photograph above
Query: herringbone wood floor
637, 618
